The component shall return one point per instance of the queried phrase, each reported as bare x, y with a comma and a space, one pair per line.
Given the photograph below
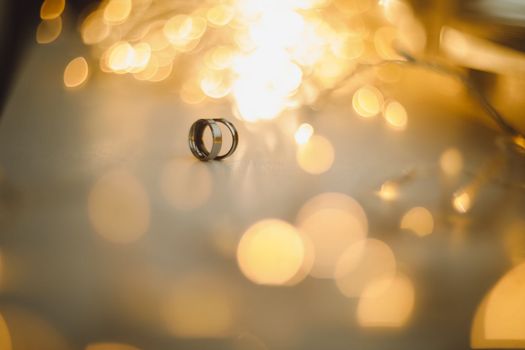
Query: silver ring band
235, 138
197, 146
196, 143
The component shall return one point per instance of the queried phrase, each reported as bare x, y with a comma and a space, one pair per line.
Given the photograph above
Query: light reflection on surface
118, 207
316, 156
363, 263
386, 304
419, 220
499, 321
271, 252
332, 222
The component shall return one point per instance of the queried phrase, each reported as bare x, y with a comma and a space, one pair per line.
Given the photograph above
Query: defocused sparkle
396, 115
304, 133
418, 220
270, 252
76, 72
316, 156
52, 9
367, 101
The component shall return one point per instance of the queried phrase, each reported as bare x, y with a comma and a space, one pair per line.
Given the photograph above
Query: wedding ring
235, 138
196, 143
197, 146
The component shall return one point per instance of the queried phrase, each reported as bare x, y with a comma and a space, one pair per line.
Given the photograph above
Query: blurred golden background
376, 199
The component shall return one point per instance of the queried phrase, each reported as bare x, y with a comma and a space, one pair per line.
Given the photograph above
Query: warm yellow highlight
418, 220
462, 201
499, 321
23, 329
362, 263
215, 83
49, 30
162, 73
220, 15
117, 11
220, 57
110, 346
266, 78
367, 101
303, 133
393, 306
186, 184
5, 336
385, 42
270, 252
348, 47
514, 241
141, 57
191, 93
118, 207
389, 191
332, 222
181, 30
121, 57
76, 72
93, 29
396, 115
52, 9
451, 161
316, 156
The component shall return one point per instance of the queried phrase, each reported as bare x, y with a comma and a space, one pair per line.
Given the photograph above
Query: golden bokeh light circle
270, 252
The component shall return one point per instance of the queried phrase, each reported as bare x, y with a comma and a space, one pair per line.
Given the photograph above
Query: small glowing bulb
304, 133
389, 191
462, 202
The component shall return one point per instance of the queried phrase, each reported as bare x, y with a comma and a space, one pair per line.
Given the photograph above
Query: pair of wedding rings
196, 142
